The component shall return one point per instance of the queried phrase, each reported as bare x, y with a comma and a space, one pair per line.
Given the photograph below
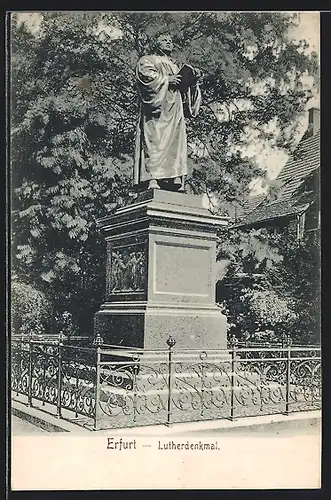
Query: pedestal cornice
164, 209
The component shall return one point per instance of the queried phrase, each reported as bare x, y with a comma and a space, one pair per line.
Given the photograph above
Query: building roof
250, 204
284, 208
303, 162
301, 165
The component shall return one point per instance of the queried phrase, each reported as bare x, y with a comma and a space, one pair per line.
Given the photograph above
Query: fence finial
98, 341
171, 341
233, 341
62, 337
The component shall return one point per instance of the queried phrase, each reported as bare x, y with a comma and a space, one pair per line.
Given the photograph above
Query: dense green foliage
283, 298
74, 109
31, 310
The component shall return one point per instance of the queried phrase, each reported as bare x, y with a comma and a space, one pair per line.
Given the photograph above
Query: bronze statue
167, 95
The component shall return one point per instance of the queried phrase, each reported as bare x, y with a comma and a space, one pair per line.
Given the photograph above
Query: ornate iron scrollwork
203, 384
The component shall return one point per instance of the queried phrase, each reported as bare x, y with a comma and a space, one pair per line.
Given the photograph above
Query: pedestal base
149, 326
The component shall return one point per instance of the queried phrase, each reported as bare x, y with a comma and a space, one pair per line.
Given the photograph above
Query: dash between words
121, 445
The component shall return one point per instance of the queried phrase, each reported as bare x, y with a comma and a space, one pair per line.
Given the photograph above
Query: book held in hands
188, 78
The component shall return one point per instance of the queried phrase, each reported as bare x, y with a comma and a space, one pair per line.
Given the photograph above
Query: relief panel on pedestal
126, 268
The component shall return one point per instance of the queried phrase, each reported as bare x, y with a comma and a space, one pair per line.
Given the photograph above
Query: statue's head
162, 43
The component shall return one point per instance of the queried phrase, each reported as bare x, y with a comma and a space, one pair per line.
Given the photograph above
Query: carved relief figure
128, 270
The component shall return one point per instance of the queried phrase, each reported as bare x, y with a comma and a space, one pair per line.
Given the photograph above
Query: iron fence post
171, 343
288, 376
233, 375
44, 379
246, 347
59, 379
202, 387
135, 386
76, 389
20, 347
97, 342
30, 373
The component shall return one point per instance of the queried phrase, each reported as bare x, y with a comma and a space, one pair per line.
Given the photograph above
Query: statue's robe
161, 141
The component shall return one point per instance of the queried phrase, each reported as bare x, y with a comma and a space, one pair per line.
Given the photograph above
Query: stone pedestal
161, 255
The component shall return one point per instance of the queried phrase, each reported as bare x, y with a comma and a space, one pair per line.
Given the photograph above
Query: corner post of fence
20, 347
288, 374
61, 340
76, 389
234, 344
30, 372
171, 342
136, 361
97, 342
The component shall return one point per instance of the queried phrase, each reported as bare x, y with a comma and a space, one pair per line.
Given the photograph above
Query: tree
283, 297
300, 278
74, 109
31, 311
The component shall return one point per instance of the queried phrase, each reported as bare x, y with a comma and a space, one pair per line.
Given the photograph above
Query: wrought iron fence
106, 386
